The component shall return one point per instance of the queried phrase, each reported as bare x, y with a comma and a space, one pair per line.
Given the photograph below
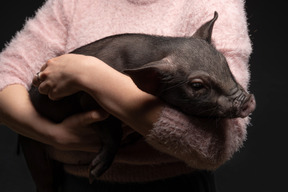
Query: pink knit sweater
177, 144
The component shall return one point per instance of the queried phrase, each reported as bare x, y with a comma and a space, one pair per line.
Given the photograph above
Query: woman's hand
60, 76
76, 133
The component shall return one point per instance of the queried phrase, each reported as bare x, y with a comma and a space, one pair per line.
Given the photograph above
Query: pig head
195, 78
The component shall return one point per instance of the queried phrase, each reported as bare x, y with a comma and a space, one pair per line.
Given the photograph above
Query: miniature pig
187, 73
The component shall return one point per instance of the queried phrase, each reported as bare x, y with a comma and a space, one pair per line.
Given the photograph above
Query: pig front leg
110, 133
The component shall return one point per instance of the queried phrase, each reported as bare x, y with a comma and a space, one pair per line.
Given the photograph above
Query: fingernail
94, 115
99, 115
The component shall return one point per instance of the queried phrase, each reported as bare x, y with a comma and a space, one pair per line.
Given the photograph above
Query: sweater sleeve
42, 37
207, 144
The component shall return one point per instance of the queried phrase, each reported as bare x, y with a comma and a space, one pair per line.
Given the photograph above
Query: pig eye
197, 84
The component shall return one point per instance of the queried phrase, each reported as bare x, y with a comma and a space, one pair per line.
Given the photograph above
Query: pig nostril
248, 107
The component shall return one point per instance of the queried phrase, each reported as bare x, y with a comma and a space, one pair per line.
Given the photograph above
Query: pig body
185, 72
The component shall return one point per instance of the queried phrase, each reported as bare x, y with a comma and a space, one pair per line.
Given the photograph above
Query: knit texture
177, 144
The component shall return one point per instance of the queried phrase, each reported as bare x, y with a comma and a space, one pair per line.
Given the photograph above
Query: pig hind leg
110, 132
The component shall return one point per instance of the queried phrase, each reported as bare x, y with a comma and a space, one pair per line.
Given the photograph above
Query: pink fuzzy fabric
63, 25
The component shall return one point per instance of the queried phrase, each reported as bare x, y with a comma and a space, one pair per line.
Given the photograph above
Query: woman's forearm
118, 94
17, 113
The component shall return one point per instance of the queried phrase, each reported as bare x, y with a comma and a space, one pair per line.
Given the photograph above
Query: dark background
261, 165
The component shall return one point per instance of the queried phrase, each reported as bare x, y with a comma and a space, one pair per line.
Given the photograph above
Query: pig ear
205, 31
150, 77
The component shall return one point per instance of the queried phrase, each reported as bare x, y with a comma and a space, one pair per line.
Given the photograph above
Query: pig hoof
98, 167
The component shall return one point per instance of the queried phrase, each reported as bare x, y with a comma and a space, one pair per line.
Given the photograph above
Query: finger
54, 94
38, 79
44, 88
87, 118
51, 94
43, 67
101, 114
96, 115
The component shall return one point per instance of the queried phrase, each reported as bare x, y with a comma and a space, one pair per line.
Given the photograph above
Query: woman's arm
74, 133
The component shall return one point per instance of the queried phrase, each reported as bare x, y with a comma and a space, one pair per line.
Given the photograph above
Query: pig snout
241, 104
248, 106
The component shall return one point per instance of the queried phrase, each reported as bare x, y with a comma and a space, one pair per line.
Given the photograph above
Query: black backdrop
261, 164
